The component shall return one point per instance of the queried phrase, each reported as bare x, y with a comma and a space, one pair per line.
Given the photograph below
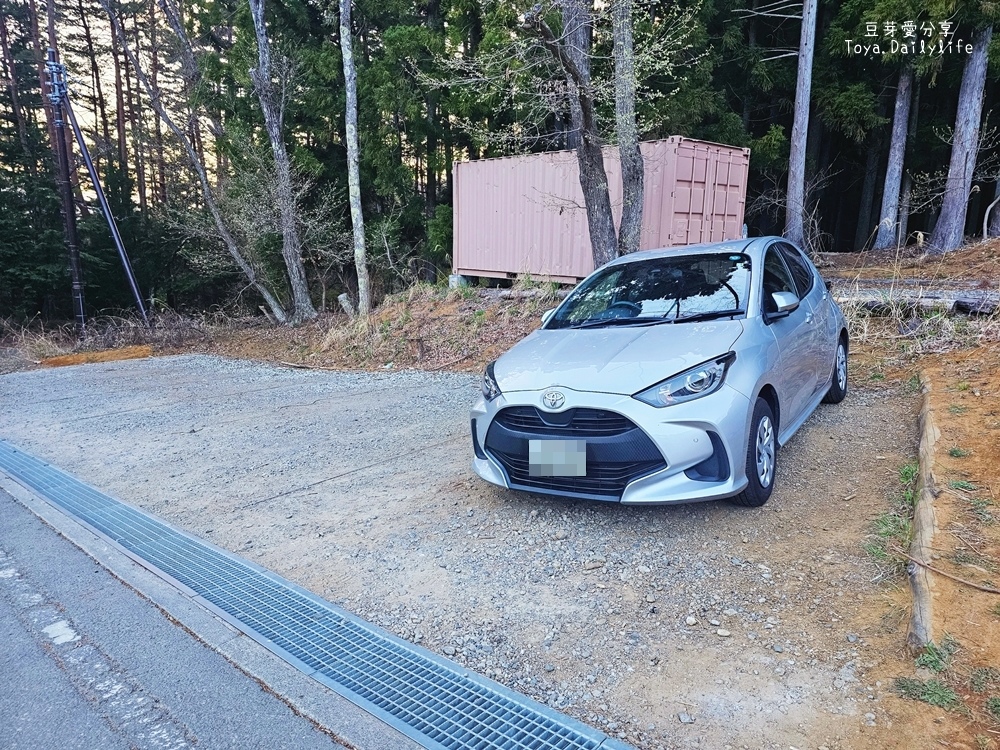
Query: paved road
87, 663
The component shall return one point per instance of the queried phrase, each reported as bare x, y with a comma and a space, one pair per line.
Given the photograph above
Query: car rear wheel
762, 452
838, 386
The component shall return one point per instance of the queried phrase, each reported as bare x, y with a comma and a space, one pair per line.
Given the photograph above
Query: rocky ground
690, 626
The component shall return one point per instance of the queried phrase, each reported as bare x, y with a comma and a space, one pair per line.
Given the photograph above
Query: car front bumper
702, 444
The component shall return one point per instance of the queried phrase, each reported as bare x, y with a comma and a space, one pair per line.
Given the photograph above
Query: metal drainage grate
426, 697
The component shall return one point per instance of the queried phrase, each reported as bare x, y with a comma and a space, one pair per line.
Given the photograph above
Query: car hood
612, 360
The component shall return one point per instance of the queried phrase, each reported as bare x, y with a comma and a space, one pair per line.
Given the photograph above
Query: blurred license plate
557, 458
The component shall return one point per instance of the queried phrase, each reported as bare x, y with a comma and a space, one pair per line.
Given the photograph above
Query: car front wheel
762, 452
838, 385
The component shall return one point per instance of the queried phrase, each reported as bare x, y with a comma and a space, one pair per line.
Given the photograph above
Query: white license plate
557, 458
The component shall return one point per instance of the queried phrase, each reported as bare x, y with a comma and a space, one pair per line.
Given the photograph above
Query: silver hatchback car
666, 376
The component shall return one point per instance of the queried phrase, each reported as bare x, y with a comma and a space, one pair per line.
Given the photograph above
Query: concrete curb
921, 628
350, 725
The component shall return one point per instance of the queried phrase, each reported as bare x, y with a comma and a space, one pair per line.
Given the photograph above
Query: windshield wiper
711, 315
646, 321
600, 322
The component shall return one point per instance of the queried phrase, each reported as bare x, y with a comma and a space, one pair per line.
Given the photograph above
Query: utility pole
60, 101
56, 93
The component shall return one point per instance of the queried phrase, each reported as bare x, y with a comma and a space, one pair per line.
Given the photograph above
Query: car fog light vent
426, 697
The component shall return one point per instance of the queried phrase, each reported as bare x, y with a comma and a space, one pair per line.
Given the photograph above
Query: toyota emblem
553, 399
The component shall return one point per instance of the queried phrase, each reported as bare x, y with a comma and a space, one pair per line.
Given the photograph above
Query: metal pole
109, 217
57, 86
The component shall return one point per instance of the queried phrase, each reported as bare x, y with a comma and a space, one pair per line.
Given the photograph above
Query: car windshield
668, 289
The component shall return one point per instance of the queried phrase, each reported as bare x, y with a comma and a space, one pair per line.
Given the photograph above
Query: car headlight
490, 388
691, 384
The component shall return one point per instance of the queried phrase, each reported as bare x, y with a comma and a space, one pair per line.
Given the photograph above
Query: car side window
776, 279
800, 268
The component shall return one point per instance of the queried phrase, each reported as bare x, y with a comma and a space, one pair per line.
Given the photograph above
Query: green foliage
439, 236
888, 531
730, 77
892, 526
937, 658
992, 705
956, 452
982, 509
933, 691
770, 150
852, 110
962, 484
984, 678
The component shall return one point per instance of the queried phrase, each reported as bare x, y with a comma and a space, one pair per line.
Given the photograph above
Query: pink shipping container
525, 214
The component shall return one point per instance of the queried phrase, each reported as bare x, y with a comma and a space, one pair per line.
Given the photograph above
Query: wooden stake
920, 631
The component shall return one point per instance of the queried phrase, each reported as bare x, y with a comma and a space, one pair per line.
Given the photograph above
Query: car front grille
618, 452
579, 423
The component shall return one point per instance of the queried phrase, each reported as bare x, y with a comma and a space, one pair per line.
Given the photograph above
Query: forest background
161, 86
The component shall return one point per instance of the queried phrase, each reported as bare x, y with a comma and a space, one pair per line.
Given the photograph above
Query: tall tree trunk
904, 208
572, 51
228, 240
159, 173
190, 72
15, 104
449, 159
67, 133
430, 197
907, 190
36, 40
101, 111
863, 232
272, 101
948, 232
119, 106
138, 131
353, 158
993, 225
633, 172
889, 215
814, 146
593, 176
751, 53
795, 210
436, 25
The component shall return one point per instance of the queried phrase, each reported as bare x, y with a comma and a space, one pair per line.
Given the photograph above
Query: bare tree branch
155, 99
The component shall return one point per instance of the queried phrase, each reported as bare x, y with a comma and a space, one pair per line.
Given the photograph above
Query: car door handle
809, 317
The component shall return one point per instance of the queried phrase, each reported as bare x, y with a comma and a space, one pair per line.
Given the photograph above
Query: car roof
751, 246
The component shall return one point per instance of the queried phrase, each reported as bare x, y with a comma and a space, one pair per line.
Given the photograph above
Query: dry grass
897, 319
898, 325
433, 328
37, 341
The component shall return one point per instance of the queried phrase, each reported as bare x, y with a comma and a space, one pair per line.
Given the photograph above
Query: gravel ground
705, 625
11, 360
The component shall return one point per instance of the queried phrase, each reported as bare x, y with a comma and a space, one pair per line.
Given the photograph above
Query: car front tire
838, 386
762, 452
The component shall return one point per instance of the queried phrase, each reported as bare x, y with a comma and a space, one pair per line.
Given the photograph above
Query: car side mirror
547, 315
786, 301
